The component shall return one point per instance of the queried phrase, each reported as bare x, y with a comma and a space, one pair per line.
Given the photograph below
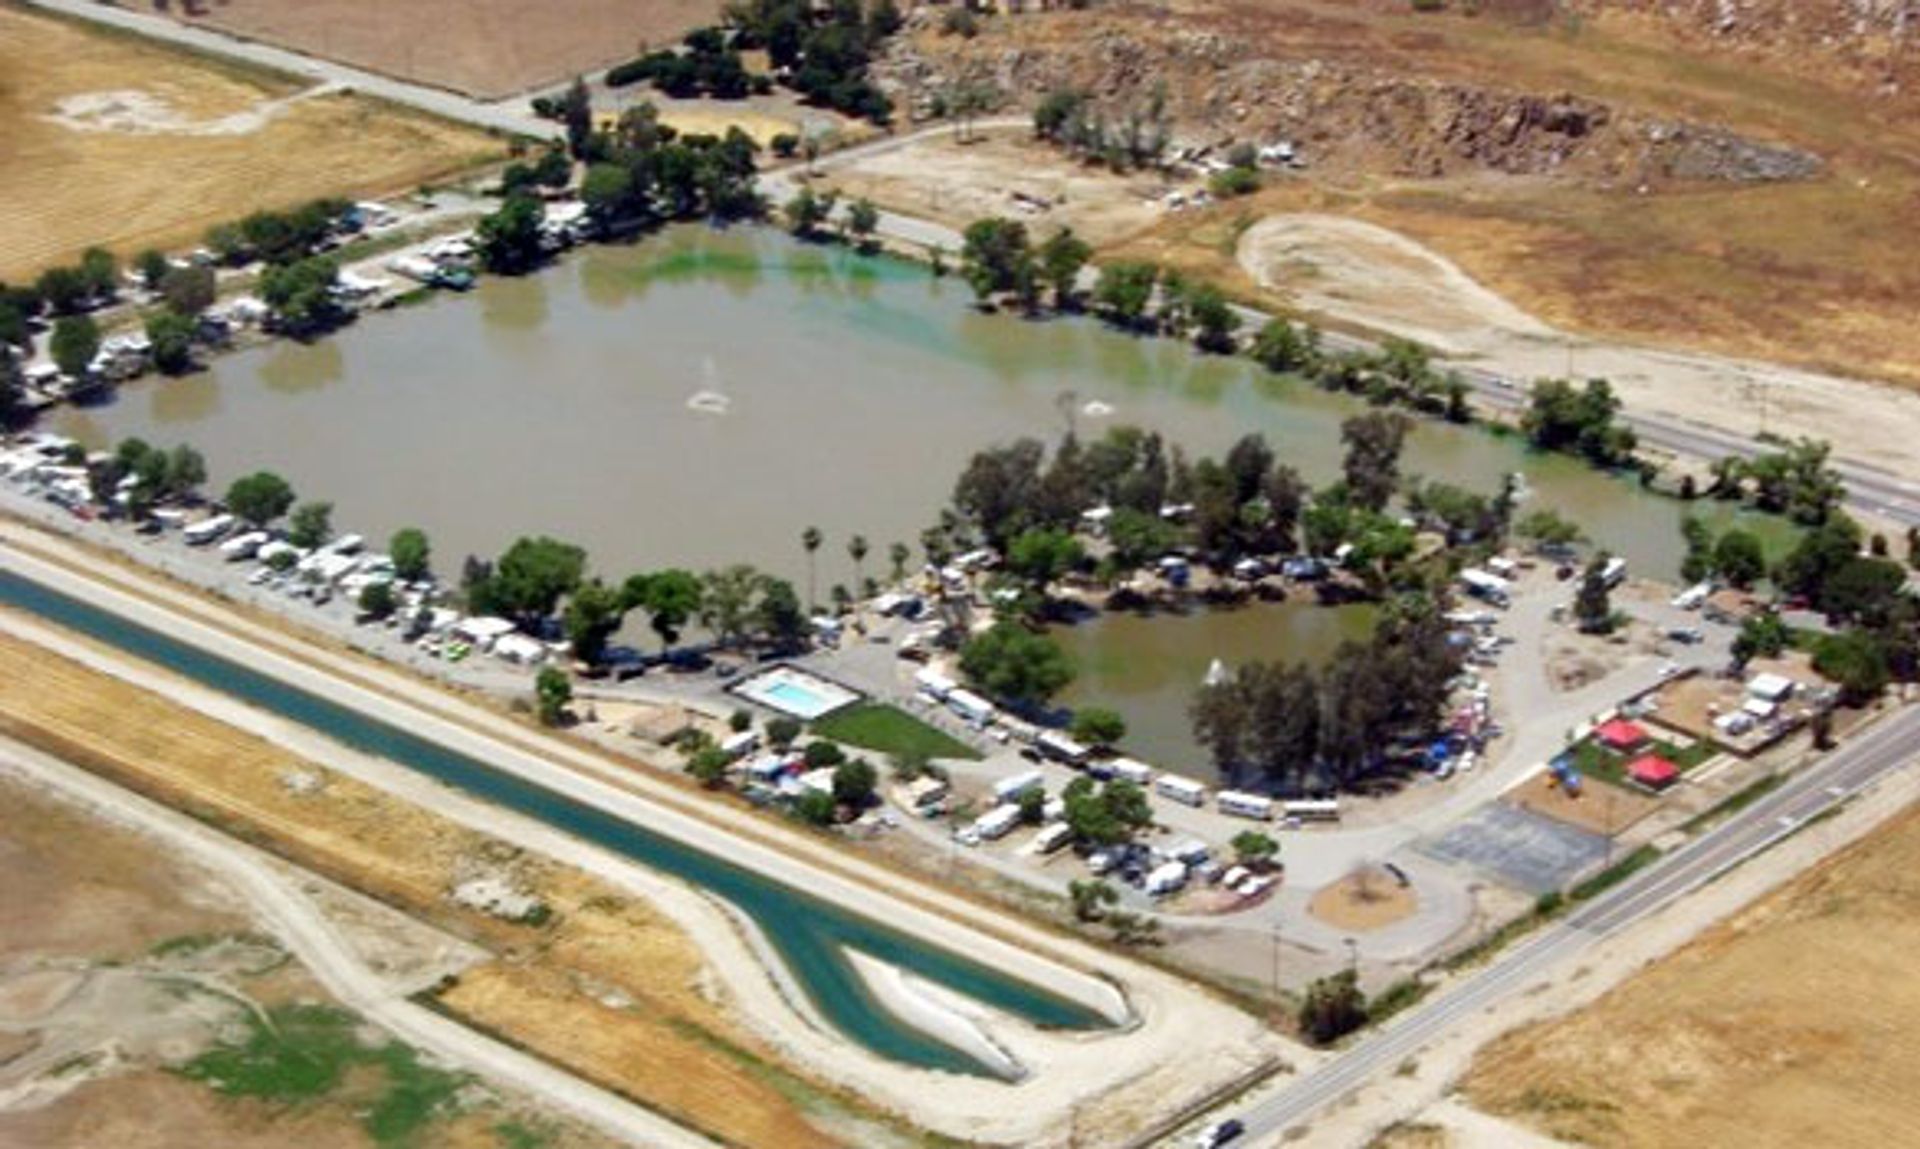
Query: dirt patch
1001, 172
592, 945
1368, 274
487, 48
1600, 806
1367, 899
106, 139
1790, 1023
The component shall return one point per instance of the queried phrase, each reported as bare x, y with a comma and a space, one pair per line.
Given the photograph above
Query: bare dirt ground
600, 945
1361, 273
1364, 901
1600, 806
1791, 1023
117, 961
956, 183
109, 140
488, 48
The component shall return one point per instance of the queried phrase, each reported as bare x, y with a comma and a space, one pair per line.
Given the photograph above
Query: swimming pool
796, 693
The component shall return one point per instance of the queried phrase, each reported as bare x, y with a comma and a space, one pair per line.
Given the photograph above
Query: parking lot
1518, 848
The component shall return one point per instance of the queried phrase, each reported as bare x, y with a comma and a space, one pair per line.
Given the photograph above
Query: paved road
1889, 746
309, 936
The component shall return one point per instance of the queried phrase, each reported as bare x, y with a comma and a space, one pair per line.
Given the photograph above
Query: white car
260, 576
1219, 1133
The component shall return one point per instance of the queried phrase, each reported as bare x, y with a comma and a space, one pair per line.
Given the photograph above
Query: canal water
702, 397
810, 935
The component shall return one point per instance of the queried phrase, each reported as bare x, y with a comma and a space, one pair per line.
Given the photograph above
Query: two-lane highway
1891, 745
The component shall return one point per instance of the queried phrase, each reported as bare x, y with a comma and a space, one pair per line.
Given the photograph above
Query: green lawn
1596, 761
306, 1052
889, 730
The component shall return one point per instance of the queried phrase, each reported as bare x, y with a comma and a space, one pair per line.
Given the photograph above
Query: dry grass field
1794, 1023
1806, 273
109, 140
488, 48
606, 984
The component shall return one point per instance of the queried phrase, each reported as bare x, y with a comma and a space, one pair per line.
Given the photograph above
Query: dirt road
306, 933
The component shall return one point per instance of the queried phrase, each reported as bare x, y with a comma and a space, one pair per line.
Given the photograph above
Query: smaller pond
1148, 666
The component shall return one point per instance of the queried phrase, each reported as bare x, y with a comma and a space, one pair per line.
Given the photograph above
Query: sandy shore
1171, 1019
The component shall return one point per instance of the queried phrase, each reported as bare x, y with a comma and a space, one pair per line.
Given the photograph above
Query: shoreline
979, 1108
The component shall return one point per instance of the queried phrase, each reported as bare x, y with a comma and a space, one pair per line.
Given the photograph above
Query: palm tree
811, 539
857, 551
899, 554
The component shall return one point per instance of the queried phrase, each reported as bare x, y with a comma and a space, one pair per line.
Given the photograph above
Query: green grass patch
1613, 875
1734, 803
303, 1053
890, 730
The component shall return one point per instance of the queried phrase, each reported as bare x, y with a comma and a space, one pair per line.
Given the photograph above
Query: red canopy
1653, 770
1620, 734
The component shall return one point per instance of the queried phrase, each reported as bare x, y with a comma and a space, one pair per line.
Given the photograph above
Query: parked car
1219, 1133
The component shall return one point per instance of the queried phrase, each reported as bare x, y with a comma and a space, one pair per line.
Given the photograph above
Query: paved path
1889, 746
309, 936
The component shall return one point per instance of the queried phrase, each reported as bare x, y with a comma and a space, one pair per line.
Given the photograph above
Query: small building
1620, 734
1775, 688
520, 649
1653, 772
482, 630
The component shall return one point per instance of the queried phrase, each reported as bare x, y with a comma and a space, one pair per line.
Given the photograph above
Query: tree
1042, 555
99, 273
185, 471
999, 490
1592, 604
576, 112
781, 622
1855, 662
188, 290
1372, 464
897, 556
1761, 636
1549, 530
810, 540
1282, 346
1105, 815
259, 498
1214, 319
301, 295
671, 598
1739, 559
75, 341
608, 190
376, 600
533, 574
727, 602
708, 765
853, 783
152, 267
1253, 848
857, 551
996, 257
509, 239
822, 753
1090, 898
1098, 726
310, 525
782, 731
1010, 662
172, 338
12, 400
1333, 1008
1061, 258
552, 692
863, 220
1033, 806
1561, 418
1124, 290
594, 613
816, 808
412, 555
806, 211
